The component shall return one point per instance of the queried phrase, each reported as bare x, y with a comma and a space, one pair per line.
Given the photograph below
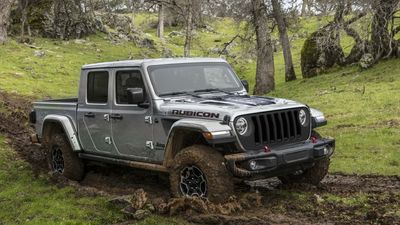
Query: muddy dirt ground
340, 199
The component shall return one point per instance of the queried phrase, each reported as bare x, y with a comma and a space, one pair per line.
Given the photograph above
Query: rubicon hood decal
195, 113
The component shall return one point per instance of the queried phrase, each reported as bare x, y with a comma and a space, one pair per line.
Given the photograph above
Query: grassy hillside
364, 115
362, 108
25, 198
361, 105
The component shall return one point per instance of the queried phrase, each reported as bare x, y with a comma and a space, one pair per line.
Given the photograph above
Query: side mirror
246, 85
135, 95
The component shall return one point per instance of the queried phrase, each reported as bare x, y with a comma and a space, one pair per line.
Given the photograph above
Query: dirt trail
260, 202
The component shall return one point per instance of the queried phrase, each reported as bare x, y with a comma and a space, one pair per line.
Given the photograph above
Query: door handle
90, 114
116, 116
106, 117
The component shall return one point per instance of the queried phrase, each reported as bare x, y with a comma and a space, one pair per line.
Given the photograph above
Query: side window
125, 80
97, 87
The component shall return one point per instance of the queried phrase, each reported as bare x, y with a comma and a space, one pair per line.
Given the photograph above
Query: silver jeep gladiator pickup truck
191, 117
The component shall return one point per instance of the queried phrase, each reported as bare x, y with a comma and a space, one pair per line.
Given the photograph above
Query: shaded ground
340, 199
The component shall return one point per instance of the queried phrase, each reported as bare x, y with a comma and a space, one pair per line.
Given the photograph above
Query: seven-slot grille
274, 128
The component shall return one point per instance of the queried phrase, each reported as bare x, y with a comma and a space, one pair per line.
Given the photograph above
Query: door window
125, 80
97, 87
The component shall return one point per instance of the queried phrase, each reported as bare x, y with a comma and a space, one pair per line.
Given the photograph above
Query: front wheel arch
179, 139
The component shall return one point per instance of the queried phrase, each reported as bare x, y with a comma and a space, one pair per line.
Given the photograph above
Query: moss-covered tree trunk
287, 53
265, 81
322, 49
383, 44
189, 29
5, 9
160, 26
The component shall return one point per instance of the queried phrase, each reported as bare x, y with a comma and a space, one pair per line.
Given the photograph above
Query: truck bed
63, 107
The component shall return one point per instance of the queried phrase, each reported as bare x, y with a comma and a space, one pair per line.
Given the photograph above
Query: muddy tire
312, 175
200, 171
62, 160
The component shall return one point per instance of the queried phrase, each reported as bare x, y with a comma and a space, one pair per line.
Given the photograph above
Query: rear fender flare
68, 128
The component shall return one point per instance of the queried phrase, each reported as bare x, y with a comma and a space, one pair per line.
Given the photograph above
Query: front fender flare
218, 130
68, 129
220, 133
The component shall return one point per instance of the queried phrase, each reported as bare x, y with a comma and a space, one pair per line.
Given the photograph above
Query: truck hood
218, 107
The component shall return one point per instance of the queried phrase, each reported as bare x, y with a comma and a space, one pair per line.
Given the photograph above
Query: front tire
200, 171
313, 175
62, 160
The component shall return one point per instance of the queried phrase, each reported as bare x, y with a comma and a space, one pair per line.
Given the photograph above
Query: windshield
193, 77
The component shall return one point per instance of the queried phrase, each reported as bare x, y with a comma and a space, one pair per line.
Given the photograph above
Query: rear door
132, 128
94, 109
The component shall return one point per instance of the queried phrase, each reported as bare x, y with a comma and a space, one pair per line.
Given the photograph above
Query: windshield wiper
179, 93
213, 90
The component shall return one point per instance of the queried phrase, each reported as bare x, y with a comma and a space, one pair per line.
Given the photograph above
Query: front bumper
279, 161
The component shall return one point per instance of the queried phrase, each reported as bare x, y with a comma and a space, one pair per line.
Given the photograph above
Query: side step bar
124, 162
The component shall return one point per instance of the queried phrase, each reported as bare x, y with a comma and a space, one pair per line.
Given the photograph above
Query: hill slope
362, 108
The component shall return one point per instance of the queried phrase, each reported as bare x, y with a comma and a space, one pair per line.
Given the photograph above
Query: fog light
253, 165
326, 150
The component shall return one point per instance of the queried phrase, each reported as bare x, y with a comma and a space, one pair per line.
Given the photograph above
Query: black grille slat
285, 120
263, 128
267, 127
257, 129
292, 125
274, 128
298, 126
279, 126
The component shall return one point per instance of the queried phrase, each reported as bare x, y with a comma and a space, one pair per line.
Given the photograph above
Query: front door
93, 113
131, 124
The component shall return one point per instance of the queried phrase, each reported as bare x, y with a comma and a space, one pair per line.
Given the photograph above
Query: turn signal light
208, 135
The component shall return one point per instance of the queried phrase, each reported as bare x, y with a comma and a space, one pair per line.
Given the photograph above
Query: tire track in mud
259, 202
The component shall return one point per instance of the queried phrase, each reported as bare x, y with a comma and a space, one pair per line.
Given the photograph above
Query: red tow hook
314, 140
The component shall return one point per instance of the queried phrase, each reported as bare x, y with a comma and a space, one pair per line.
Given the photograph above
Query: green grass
354, 200
26, 199
57, 73
363, 111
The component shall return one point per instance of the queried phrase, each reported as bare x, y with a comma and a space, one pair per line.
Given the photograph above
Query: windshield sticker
195, 114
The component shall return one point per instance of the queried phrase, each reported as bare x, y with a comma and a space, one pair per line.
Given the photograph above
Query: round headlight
241, 126
303, 117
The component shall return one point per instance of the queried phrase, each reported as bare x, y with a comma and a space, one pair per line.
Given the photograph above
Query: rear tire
313, 175
62, 160
200, 171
